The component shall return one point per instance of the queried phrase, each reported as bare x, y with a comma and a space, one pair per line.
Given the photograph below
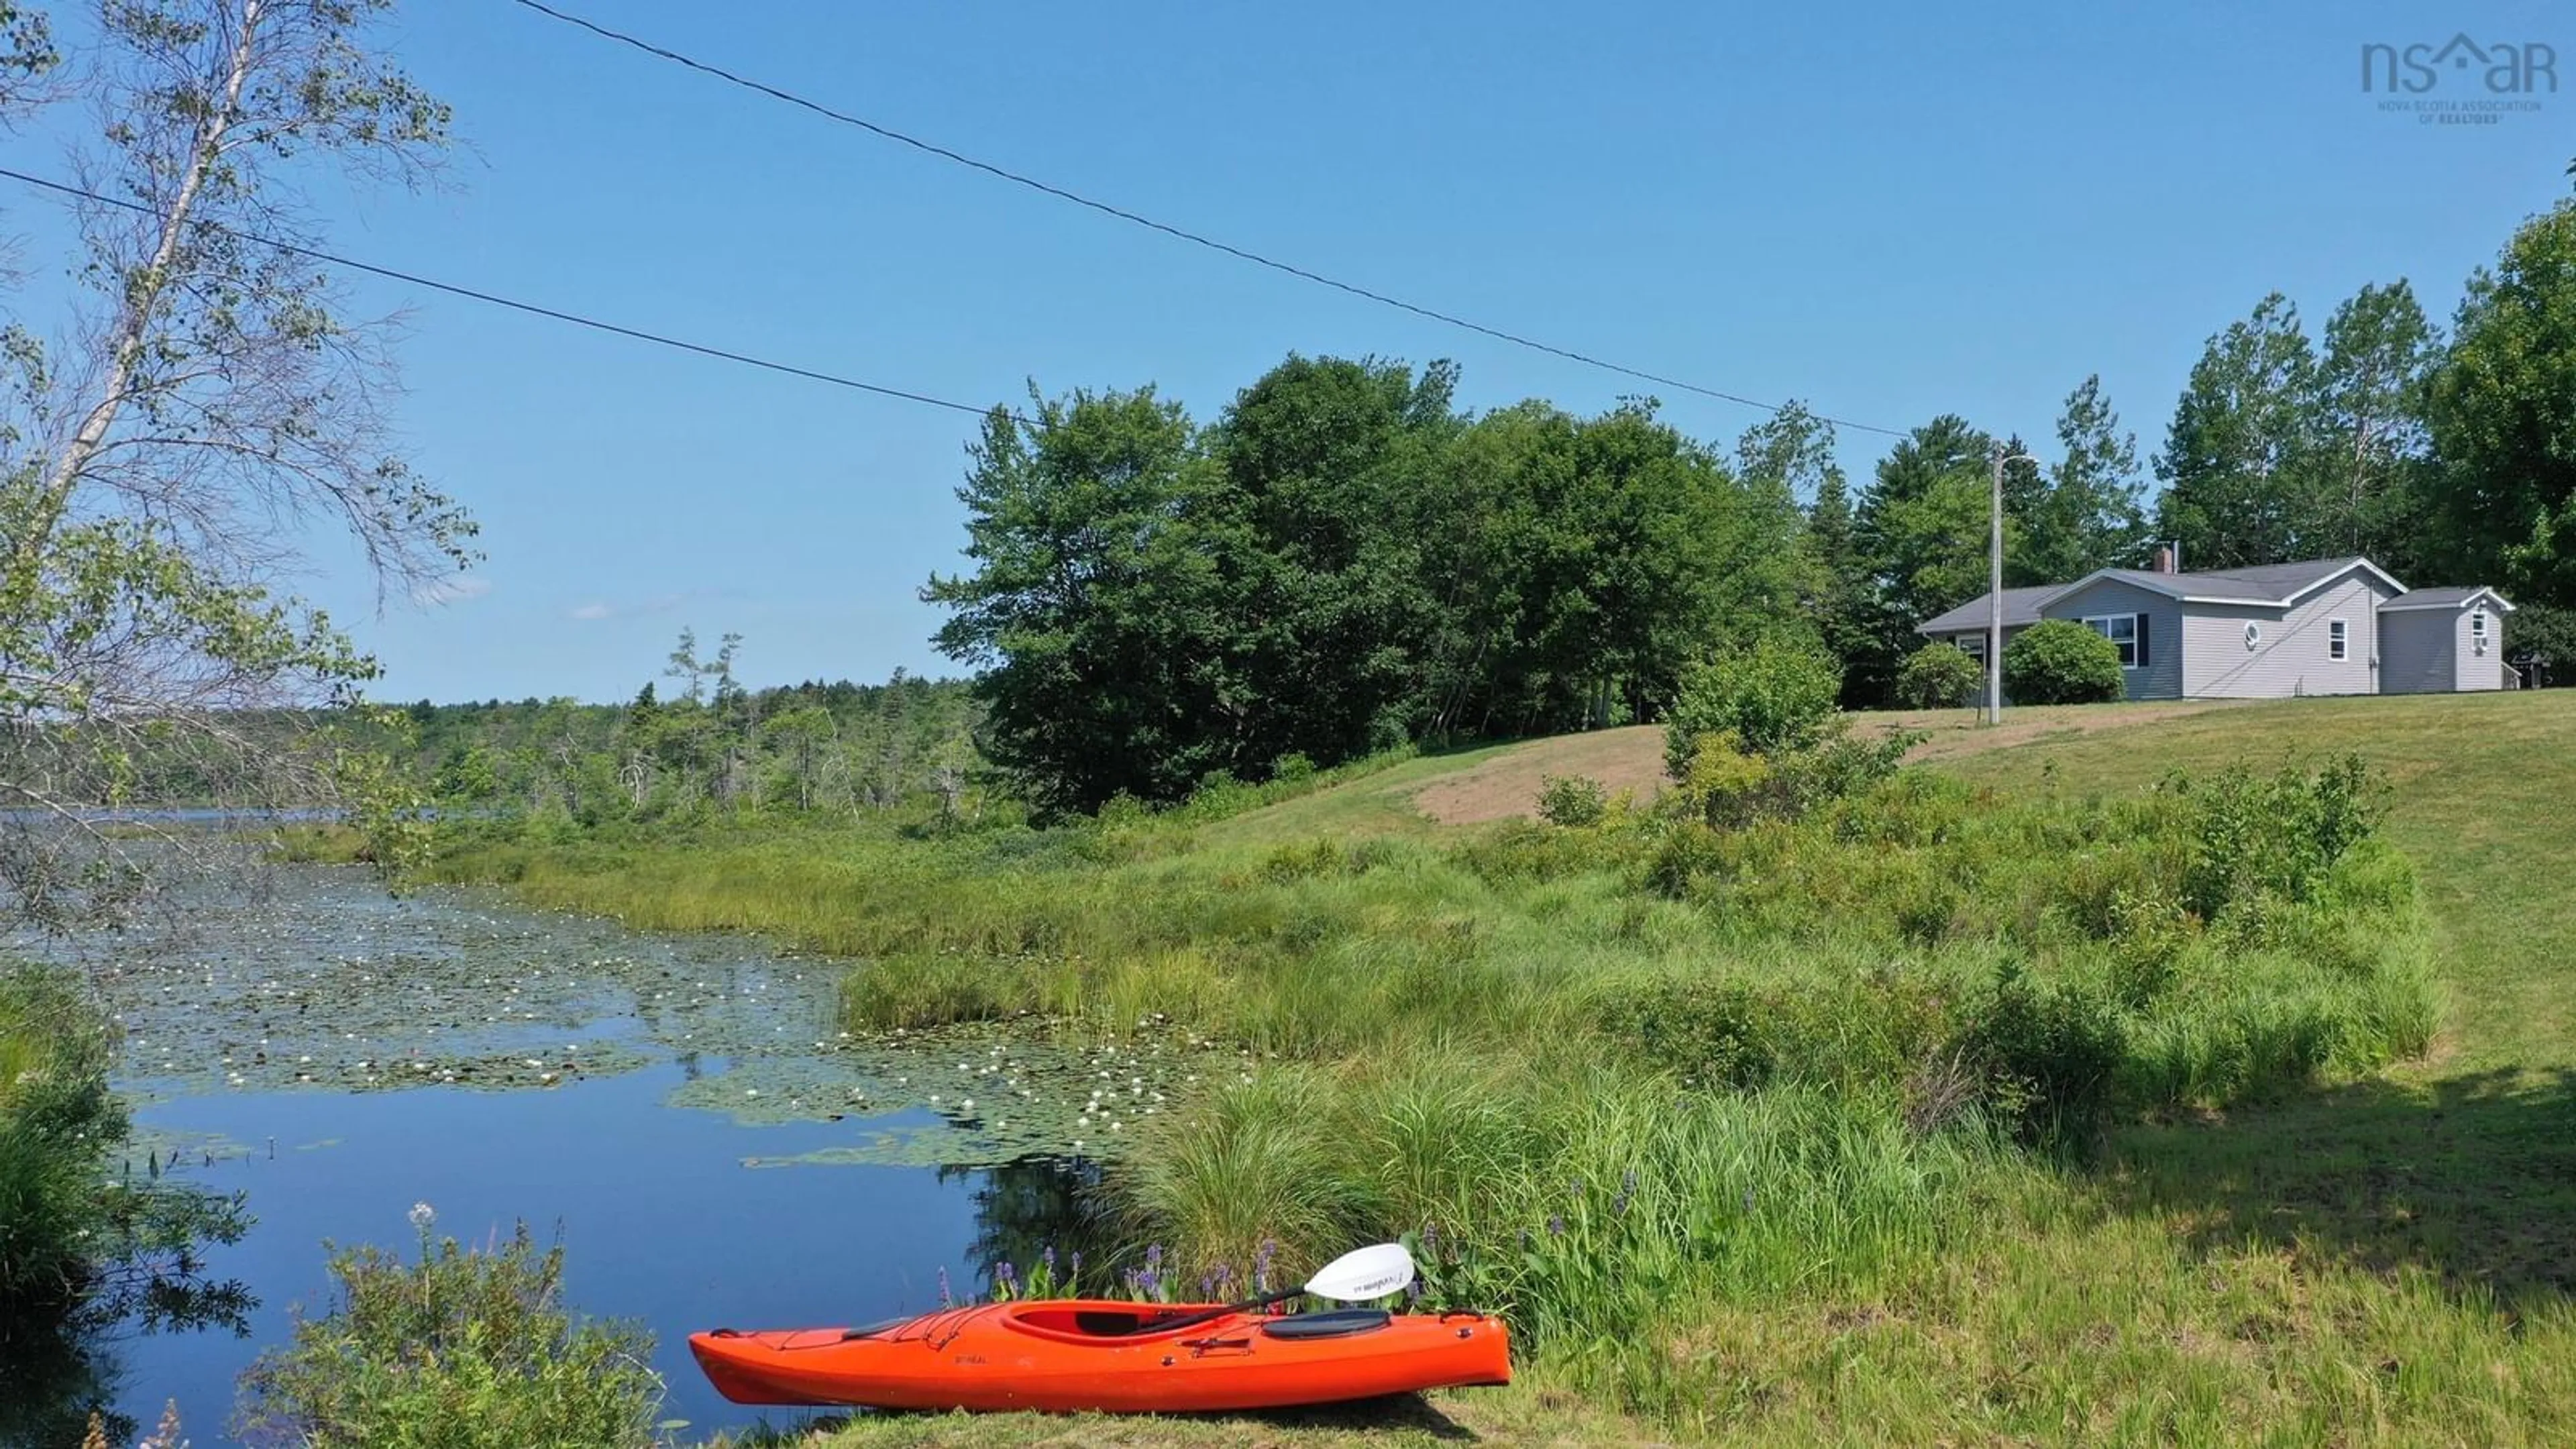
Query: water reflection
59, 1369
336, 1055
1025, 1209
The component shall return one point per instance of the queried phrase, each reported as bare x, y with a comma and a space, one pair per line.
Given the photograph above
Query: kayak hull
1073, 1356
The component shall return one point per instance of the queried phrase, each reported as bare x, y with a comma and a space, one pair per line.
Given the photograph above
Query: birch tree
207, 402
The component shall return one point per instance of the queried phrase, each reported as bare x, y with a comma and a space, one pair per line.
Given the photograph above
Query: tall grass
1844, 950
57, 1122
1588, 1202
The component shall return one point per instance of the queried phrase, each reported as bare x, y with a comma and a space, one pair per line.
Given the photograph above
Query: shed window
2128, 631
2338, 639
2478, 625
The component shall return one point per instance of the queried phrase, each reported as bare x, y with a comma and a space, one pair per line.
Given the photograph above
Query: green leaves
2279, 452
2502, 416
1340, 565
2059, 661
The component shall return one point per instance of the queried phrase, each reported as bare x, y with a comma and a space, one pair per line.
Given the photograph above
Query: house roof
2021, 606
2449, 597
2265, 585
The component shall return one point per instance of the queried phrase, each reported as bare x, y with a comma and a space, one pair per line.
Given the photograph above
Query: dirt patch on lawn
1508, 784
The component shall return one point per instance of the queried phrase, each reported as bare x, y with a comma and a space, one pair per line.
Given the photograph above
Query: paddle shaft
1210, 1315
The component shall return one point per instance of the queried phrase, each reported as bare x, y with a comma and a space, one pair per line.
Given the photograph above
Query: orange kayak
1070, 1355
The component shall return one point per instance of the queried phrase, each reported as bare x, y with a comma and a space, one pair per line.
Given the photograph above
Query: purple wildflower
1005, 1279
1261, 1265
1556, 1225
1431, 1239
1048, 1257
945, 1301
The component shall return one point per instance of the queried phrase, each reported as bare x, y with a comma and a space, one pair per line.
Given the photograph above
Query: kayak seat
1114, 1325
1337, 1323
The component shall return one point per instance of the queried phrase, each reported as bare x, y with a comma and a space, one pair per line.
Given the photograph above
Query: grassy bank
1821, 1050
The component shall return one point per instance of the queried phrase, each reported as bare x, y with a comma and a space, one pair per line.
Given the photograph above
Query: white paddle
1354, 1277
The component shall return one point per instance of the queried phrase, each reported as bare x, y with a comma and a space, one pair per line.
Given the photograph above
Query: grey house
2325, 626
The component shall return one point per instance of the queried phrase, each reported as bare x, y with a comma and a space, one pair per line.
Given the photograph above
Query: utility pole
1995, 592
1995, 601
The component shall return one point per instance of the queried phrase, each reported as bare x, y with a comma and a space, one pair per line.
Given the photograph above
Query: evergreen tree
2238, 458
2088, 518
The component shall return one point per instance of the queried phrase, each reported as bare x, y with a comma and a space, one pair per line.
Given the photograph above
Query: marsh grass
1841, 1226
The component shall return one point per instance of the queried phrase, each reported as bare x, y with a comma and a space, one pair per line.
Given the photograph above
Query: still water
684, 1113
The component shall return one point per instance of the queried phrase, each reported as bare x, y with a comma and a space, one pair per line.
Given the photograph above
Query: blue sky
1887, 209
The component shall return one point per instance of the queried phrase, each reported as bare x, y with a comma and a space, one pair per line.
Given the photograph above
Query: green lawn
2381, 1260
2464, 1164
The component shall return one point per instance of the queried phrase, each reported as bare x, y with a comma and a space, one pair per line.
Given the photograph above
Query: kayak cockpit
1109, 1322
1087, 1322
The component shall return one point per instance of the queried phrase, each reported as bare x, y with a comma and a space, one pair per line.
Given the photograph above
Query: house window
2128, 631
1974, 644
2338, 639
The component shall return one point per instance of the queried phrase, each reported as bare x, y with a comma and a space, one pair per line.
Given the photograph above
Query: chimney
2164, 561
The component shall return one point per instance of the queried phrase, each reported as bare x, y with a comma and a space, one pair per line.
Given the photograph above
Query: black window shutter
2142, 640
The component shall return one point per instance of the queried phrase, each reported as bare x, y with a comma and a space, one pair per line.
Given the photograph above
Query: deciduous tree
205, 387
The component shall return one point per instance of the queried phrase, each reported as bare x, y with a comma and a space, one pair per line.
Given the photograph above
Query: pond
684, 1113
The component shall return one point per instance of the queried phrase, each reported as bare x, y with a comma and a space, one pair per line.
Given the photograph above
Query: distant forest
701, 740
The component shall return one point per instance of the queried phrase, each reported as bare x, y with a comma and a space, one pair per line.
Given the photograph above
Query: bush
2252, 837
2051, 1051
2058, 661
1778, 695
1939, 676
1572, 800
467, 1349
1728, 788
1711, 1032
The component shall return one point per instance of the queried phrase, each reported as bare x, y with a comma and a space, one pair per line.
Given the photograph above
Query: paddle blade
1356, 1277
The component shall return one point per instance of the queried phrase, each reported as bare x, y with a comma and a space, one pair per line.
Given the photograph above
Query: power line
1166, 228
531, 308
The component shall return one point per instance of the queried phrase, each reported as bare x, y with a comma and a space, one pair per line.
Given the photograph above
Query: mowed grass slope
2387, 1259
2463, 1164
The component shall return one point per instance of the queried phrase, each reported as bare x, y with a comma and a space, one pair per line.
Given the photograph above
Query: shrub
2051, 1052
1572, 800
1728, 788
1939, 676
466, 1349
1709, 1031
1777, 695
1725, 786
2058, 661
2254, 836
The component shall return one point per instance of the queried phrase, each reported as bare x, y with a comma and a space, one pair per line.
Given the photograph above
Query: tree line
704, 743
1343, 560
